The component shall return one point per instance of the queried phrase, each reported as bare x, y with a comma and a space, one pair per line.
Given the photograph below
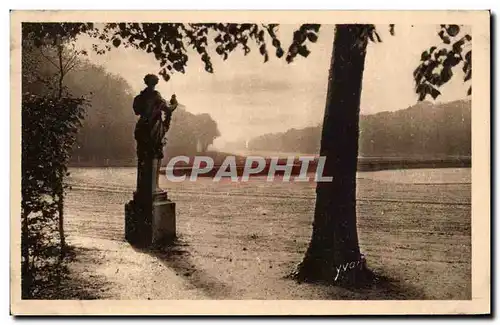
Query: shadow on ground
74, 285
177, 257
384, 287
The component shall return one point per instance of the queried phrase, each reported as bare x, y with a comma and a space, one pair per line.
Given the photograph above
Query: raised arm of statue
173, 103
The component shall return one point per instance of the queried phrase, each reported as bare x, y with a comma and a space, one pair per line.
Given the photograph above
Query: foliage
50, 120
206, 130
436, 67
49, 125
52, 33
169, 42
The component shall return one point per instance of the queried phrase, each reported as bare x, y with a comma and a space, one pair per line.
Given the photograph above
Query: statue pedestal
150, 216
163, 225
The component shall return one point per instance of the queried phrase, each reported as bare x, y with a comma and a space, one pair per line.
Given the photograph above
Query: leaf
468, 75
446, 74
304, 51
439, 53
468, 56
453, 30
457, 46
465, 66
451, 60
261, 35
391, 29
418, 74
312, 37
262, 49
434, 92
299, 37
370, 36
425, 56
314, 27
178, 66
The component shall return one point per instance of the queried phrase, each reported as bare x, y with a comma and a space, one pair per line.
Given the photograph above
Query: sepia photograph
250, 162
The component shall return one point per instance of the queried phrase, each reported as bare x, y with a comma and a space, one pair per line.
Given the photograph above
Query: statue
150, 216
151, 129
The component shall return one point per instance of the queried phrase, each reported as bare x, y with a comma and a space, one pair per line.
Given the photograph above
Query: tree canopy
168, 42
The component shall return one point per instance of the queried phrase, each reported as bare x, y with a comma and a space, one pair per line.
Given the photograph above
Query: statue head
151, 80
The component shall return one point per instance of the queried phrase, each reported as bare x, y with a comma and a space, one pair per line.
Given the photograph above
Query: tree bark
334, 240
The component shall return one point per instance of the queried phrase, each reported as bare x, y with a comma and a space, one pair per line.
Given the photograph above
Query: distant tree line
423, 130
107, 133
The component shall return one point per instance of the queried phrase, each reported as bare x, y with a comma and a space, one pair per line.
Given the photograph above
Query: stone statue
150, 216
151, 128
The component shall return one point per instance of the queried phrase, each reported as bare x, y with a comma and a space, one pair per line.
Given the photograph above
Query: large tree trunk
334, 239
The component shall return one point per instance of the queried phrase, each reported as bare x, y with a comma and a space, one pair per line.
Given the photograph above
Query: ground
240, 240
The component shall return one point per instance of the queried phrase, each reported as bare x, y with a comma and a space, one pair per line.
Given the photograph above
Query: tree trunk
61, 68
334, 240
60, 191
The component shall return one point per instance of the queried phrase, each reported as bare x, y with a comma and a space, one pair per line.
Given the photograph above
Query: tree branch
71, 67
47, 58
71, 60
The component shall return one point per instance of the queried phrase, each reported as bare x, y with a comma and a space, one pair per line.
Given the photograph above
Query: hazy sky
248, 97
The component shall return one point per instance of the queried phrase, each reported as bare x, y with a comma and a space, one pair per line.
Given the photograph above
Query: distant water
421, 176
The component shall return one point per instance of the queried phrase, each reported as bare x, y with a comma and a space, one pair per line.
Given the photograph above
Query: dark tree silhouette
206, 130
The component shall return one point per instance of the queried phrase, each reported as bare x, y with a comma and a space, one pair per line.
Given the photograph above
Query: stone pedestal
163, 223
150, 215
